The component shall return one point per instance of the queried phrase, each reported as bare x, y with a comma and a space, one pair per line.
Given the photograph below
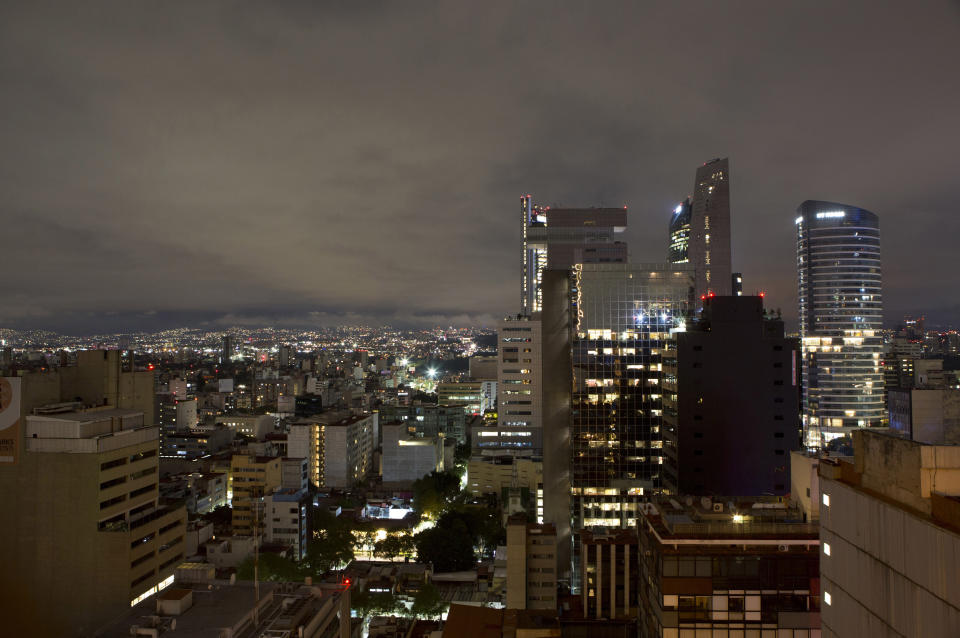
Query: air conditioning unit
718, 507
783, 548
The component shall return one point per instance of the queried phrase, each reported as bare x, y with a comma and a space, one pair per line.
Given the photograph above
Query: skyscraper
841, 312
680, 234
625, 318
557, 238
708, 233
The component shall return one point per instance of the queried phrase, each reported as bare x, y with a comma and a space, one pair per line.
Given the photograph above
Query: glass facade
680, 234
625, 317
841, 315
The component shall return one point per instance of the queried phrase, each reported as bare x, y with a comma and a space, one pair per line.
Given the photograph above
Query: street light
432, 373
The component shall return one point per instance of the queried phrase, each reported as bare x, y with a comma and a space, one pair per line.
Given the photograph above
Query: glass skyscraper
680, 234
841, 315
625, 317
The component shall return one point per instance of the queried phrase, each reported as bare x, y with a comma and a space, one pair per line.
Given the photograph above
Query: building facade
85, 533
609, 571
625, 318
531, 565
520, 385
728, 569
709, 236
731, 402
841, 315
558, 238
889, 526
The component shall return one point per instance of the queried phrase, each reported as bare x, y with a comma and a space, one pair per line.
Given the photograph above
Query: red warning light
150, 367
346, 582
703, 297
762, 295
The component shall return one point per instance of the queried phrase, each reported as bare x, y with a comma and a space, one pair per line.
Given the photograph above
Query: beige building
254, 477
890, 539
84, 533
494, 474
531, 565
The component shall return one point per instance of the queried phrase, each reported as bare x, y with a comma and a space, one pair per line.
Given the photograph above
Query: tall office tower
889, 541
625, 318
736, 282
226, 349
678, 252
85, 533
731, 395
841, 314
557, 238
709, 236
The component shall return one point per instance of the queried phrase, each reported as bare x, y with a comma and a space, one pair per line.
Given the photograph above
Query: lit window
826, 548
826, 500
827, 598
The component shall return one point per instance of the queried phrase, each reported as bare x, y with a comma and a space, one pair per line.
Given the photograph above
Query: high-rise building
227, 347
708, 246
254, 478
678, 252
625, 319
85, 533
731, 395
519, 384
609, 571
841, 314
557, 238
889, 540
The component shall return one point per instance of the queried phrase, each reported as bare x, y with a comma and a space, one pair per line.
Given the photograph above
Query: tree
332, 542
448, 549
433, 493
428, 603
271, 567
393, 546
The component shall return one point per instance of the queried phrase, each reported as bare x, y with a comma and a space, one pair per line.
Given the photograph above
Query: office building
84, 530
531, 565
679, 250
609, 572
558, 238
406, 458
730, 395
889, 523
736, 281
227, 349
625, 318
192, 445
475, 396
254, 426
519, 386
708, 248
428, 420
494, 474
254, 478
841, 315
728, 568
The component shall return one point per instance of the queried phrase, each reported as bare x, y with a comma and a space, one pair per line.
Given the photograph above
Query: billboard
9, 419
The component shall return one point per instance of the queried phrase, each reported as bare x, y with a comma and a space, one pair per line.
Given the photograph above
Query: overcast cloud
171, 163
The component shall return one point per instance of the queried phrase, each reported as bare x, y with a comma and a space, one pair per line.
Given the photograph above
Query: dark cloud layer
297, 162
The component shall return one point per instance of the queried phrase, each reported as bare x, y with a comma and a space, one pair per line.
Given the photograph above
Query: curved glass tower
841, 313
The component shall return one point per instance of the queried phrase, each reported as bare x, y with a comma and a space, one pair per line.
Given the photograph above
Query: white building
406, 459
520, 383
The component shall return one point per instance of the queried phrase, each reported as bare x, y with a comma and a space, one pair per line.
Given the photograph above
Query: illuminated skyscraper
558, 238
625, 317
841, 312
708, 237
680, 234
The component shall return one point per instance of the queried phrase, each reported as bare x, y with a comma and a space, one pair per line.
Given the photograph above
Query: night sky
295, 163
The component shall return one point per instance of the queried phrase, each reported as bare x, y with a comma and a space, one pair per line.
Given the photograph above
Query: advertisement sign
9, 419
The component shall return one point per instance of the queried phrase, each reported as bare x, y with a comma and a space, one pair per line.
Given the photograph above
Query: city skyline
206, 166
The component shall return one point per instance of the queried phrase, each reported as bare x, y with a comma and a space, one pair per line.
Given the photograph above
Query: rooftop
756, 518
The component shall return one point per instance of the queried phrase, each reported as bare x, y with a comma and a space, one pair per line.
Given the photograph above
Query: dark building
729, 568
731, 402
610, 572
678, 252
709, 239
226, 349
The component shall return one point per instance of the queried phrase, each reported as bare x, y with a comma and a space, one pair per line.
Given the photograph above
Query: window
826, 549
826, 500
827, 598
